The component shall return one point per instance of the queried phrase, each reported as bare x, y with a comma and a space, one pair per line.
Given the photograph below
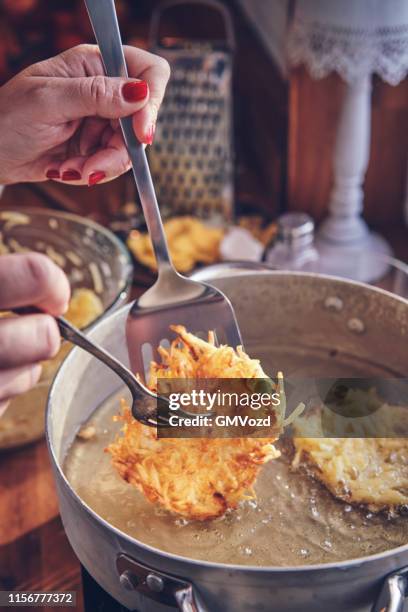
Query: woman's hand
58, 118
28, 280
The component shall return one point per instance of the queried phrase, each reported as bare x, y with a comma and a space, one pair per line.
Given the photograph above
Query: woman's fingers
67, 100
27, 339
91, 135
70, 103
32, 279
71, 170
28, 279
107, 163
155, 70
144, 124
17, 380
88, 92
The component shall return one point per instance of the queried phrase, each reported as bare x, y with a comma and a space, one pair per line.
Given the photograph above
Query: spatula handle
102, 15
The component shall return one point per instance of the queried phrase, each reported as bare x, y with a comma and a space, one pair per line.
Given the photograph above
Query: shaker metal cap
293, 226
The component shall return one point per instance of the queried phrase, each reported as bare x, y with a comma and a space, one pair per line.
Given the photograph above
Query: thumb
101, 96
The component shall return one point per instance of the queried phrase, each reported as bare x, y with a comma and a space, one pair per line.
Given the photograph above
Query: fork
145, 403
173, 299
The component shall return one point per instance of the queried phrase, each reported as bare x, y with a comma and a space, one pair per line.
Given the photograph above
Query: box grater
192, 156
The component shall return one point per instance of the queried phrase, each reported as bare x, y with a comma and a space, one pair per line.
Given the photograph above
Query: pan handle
158, 586
186, 599
393, 593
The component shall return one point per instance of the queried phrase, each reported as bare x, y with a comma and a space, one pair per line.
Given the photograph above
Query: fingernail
95, 177
35, 373
135, 91
71, 175
52, 174
150, 134
51, 337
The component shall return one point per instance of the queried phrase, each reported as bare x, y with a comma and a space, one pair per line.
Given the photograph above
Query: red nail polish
52, 174
150, 134
71, 175
135, 91
95, 177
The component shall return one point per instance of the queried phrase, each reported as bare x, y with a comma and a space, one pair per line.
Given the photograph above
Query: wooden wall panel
261, 123
387, 171
314, 108
313, 112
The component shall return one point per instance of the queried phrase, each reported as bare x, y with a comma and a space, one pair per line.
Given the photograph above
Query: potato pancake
198, 478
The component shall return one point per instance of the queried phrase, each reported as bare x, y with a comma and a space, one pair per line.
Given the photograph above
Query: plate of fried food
195, 242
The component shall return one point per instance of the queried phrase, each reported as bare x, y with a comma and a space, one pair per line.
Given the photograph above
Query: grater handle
102, 15
169, 4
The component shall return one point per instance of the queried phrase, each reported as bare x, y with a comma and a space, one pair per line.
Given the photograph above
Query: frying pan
309, 323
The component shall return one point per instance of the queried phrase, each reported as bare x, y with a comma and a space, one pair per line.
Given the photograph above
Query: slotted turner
173, 299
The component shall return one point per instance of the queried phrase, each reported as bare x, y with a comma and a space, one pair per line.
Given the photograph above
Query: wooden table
34, 552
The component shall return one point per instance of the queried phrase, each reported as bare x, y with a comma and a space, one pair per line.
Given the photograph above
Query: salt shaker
294, 248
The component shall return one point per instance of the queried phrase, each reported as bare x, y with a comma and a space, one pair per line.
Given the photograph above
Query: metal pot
297, 315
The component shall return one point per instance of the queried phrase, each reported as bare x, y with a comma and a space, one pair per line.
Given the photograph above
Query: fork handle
102, 15
72, 334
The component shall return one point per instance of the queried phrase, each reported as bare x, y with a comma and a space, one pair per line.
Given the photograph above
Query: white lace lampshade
355, 38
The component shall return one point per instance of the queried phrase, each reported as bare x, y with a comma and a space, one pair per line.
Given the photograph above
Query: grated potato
196, 478
370, 471
84, 307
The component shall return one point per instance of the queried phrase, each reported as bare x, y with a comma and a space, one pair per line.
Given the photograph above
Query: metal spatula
173, 299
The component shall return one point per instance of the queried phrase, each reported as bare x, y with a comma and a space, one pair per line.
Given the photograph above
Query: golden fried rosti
190, 242
370, 471
192, 357
196, 478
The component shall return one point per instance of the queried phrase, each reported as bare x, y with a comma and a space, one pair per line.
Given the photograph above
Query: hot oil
294, 520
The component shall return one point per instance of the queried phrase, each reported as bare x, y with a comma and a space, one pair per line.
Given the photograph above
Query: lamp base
355, 261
